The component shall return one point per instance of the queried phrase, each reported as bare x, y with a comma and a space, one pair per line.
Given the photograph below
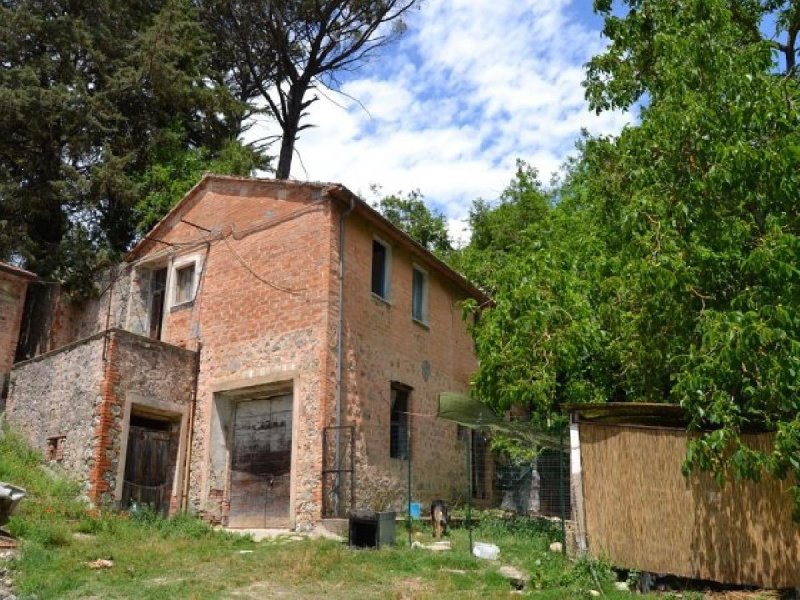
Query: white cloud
472, 86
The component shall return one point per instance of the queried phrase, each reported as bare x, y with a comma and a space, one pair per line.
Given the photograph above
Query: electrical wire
275, 286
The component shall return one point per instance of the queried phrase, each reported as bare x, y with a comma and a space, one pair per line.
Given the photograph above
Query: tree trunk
291, 124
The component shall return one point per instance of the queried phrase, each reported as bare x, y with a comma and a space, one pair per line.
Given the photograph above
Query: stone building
271, 353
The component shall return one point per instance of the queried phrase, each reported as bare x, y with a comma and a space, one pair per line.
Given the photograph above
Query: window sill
381, 299
181, 306
422, 324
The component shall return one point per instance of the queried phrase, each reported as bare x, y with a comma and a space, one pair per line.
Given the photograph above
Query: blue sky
470, 87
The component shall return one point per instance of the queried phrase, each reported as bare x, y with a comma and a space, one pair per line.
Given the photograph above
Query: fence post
469, 487
408, 462
562, 508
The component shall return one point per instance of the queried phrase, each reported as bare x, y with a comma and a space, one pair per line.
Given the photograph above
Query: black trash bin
370, 529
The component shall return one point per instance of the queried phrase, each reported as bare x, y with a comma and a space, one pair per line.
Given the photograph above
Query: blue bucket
416, 510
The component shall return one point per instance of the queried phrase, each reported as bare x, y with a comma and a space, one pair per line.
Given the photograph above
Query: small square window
419, 296
380, 269
398, 430
184, 284
55, 448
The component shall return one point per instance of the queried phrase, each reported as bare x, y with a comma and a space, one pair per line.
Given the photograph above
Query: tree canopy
411, 215
92, 97
279, 50
666, 267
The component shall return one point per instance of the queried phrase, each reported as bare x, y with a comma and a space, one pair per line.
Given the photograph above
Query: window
419, 296
184, 284
55, 448
158, 290
399, 431
380, 269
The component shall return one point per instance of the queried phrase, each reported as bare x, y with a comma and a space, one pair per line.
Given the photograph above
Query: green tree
706, 216
542, 342
496, 227
673, 247
279, 50
410, 214
85, 91
175, 169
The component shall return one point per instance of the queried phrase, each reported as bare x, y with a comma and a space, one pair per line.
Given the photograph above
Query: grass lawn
184, 558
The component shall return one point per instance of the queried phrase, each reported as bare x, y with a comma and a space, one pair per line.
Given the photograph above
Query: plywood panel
642, 513
261, 463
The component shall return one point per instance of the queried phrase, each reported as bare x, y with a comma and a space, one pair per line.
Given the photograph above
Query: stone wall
58, 394
139, 372
53, 318
83, 392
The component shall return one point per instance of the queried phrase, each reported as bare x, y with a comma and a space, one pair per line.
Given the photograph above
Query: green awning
465, 410
470, 412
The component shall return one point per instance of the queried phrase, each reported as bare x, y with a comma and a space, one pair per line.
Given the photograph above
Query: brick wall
262, 312
382, 345
12, 301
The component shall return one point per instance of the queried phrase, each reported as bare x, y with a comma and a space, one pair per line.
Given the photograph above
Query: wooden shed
634, 506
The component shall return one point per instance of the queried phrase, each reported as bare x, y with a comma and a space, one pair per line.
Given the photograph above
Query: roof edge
17, 271
344, 195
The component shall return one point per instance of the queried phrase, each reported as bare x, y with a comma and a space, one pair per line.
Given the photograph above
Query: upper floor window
158, 289
380, 269
419, 295
184, 283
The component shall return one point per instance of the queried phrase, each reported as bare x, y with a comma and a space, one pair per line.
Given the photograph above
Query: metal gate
261, 461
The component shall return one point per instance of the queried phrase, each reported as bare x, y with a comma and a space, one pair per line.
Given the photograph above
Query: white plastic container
487, 551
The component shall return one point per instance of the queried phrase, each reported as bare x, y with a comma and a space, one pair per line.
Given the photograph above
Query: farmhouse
256, 360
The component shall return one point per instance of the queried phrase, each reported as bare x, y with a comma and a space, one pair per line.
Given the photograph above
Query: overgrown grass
183, 557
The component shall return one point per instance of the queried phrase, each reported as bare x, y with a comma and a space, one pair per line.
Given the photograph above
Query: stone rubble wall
58, 394
79, 392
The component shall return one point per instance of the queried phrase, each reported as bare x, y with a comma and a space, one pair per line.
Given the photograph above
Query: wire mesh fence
462, 490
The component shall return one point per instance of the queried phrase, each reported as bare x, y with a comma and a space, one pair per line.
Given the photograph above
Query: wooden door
261, 463
149, 468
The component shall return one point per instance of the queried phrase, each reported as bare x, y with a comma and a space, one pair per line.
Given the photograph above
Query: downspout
196, 383
190, 430
339, 352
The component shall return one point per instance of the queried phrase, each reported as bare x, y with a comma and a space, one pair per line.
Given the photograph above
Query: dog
439, 518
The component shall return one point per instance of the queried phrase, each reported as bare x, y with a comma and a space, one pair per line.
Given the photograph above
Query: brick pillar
103, 468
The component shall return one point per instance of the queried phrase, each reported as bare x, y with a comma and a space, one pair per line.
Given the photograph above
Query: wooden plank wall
642, 513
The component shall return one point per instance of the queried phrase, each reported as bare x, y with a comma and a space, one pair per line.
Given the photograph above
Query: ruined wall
383, 344
58, 394
261, 311
74, 393
12, 301
144, 372
53, 318
76, 319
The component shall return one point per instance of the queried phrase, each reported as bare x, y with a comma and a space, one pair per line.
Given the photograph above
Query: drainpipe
339, 352
190, 427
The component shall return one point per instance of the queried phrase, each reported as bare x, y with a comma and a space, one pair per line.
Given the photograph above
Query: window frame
182, 294
179, 264
386, 292
400, 445
155, 326
424, 317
